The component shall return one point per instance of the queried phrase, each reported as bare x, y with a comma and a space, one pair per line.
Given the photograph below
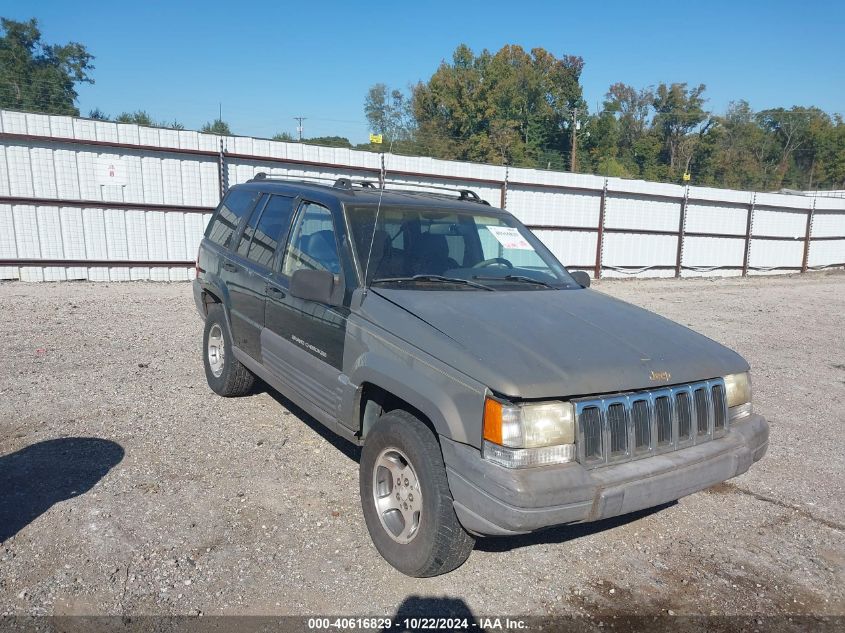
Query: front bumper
493, 500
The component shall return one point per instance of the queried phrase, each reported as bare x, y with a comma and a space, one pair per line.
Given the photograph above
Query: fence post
600, 236
748, 226
681, 226
503, 192
222, 177
806, 259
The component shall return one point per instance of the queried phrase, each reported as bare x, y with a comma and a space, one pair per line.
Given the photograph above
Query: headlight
529, 434
738, 393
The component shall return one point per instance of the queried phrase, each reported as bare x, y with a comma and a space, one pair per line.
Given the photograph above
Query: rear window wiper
451, 280
522, 278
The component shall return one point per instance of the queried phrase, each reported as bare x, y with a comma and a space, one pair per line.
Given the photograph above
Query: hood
565, 343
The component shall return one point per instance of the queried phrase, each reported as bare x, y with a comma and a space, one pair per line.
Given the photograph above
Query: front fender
454, 403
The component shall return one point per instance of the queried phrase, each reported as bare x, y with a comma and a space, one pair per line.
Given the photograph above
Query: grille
720, 408
702, 412
663, 420
684, 413
592, 443
621, 427
641, 421
617, 428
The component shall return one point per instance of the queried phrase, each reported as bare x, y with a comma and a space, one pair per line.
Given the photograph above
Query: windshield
442, 250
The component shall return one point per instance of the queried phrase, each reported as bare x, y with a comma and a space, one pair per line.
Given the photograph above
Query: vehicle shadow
35, 478
350, 450
431, 607
563, 533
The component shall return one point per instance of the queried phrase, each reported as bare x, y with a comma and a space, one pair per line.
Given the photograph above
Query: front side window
484, 249
312, 243
237, 204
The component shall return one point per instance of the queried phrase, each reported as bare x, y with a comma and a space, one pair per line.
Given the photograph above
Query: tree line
526, 108
515, 107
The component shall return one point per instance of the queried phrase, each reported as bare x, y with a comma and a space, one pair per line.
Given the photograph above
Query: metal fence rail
82, 199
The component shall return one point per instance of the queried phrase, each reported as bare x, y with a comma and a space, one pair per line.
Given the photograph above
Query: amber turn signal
493, 421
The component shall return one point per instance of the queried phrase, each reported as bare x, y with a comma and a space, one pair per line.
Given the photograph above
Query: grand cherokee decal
308, 346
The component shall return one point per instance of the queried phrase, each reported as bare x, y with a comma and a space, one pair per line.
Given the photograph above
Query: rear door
225, 230
255, 258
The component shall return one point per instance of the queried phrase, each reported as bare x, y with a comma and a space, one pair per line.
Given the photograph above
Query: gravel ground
174, 501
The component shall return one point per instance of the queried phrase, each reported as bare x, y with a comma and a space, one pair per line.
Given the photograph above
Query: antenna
382, 178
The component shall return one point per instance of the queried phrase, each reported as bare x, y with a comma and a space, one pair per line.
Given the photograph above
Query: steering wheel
494, 260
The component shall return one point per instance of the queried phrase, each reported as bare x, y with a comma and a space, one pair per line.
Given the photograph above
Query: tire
435, 543
225, 374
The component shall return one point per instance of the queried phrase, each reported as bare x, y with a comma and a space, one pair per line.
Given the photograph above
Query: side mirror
313, 285
581, 278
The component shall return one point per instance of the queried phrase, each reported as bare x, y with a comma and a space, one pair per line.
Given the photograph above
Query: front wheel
406, 499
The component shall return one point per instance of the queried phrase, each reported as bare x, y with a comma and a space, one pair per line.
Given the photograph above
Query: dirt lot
172, 500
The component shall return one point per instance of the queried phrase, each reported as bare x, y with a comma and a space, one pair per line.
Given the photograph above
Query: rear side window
249, 229
237, 204
270, 230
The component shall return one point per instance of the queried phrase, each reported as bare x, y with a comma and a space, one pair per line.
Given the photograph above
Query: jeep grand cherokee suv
492, 391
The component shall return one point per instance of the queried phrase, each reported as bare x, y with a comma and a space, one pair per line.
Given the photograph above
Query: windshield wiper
522, 278
451, 280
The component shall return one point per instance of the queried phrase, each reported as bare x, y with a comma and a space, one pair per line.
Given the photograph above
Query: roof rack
290, 178
463, 194
347, 184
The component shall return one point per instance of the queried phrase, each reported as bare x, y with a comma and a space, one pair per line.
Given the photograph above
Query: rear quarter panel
208, 279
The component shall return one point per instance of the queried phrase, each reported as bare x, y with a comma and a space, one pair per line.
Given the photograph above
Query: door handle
231, 267
274, 292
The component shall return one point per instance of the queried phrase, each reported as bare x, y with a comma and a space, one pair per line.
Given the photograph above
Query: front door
302, 342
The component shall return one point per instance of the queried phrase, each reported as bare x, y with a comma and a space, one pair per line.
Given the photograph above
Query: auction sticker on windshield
509, 237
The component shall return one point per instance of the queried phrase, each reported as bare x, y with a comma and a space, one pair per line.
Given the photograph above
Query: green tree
286, 137
40, 77
678, 112
142, 117
733, 150
789, 131
329, 141
139, 117
388, 113
218, 126
509, 107
603, 147
631, 109
831, 157
98, 115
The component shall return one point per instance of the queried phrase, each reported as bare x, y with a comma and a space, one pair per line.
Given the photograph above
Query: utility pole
573, 162
299, 119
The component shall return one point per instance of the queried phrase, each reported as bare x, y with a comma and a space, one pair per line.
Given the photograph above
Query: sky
269, 62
